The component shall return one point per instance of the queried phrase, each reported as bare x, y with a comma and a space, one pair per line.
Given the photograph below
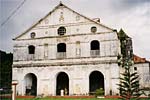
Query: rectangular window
78, 49
31, 51
61, 51
45, 51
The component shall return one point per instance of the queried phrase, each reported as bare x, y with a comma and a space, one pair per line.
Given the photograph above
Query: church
66, 51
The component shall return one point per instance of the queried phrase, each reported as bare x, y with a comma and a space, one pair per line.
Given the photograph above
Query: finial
60, 3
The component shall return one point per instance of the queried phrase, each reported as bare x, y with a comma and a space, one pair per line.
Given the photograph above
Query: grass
73, 99
69, 99
66, 99
62, 99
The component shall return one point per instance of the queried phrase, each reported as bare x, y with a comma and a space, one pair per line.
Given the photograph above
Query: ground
65, 99
70, 99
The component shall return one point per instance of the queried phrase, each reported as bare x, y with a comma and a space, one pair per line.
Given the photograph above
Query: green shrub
99, 92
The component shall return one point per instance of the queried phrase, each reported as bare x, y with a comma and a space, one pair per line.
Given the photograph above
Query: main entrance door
62, 83
96, 80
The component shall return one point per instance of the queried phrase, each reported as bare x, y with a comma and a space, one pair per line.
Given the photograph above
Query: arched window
61, 50
61, 47
61, 30
31, 49
95, 45
95, 48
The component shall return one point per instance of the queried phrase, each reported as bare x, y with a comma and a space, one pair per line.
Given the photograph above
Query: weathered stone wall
78, 63
78, 78
143, 70
108, 46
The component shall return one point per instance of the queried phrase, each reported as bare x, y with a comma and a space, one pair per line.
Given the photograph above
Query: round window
61, 30
93, 29
32, 35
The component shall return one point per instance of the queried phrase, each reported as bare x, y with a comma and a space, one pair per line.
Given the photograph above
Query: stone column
107, 80
14, 83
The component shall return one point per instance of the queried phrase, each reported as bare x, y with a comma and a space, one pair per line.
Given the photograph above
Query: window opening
31, 49
61, 30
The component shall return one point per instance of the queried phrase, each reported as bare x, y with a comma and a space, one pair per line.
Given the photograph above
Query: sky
133, 16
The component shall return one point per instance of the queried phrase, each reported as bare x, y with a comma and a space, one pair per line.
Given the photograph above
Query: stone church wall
78, 78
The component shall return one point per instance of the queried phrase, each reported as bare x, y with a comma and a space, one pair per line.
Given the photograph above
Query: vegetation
99, 92
70, 99
129, 84
122, 37
126, 47
67, 99
5, 72
129, 81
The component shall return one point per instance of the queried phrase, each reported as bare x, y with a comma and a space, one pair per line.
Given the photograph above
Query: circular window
77, 18
33, 35
46, 21
93, 29
61, 30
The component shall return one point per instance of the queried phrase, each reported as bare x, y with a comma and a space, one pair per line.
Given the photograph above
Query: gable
61, 15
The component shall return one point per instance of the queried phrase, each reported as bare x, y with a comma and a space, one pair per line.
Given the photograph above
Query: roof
138, 59
61, 4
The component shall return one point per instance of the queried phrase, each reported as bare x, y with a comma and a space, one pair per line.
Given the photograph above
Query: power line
7, 19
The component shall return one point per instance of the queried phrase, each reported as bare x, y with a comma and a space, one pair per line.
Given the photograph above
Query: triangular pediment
62, 15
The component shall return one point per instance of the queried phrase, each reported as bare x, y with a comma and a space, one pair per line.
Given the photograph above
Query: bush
99, 92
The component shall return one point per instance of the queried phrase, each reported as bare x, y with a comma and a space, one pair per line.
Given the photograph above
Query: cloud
135, 2
122, 5
136, 24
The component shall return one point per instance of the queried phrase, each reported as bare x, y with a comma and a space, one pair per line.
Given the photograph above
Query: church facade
66, 51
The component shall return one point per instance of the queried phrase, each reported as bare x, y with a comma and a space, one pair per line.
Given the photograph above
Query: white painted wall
78, 78
78, 67
143, 70
108, 46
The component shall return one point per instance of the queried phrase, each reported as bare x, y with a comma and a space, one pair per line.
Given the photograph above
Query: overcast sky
131, 15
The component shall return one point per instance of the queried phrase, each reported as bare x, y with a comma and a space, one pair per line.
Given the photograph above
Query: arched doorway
30, 84
62, 83
96, 81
